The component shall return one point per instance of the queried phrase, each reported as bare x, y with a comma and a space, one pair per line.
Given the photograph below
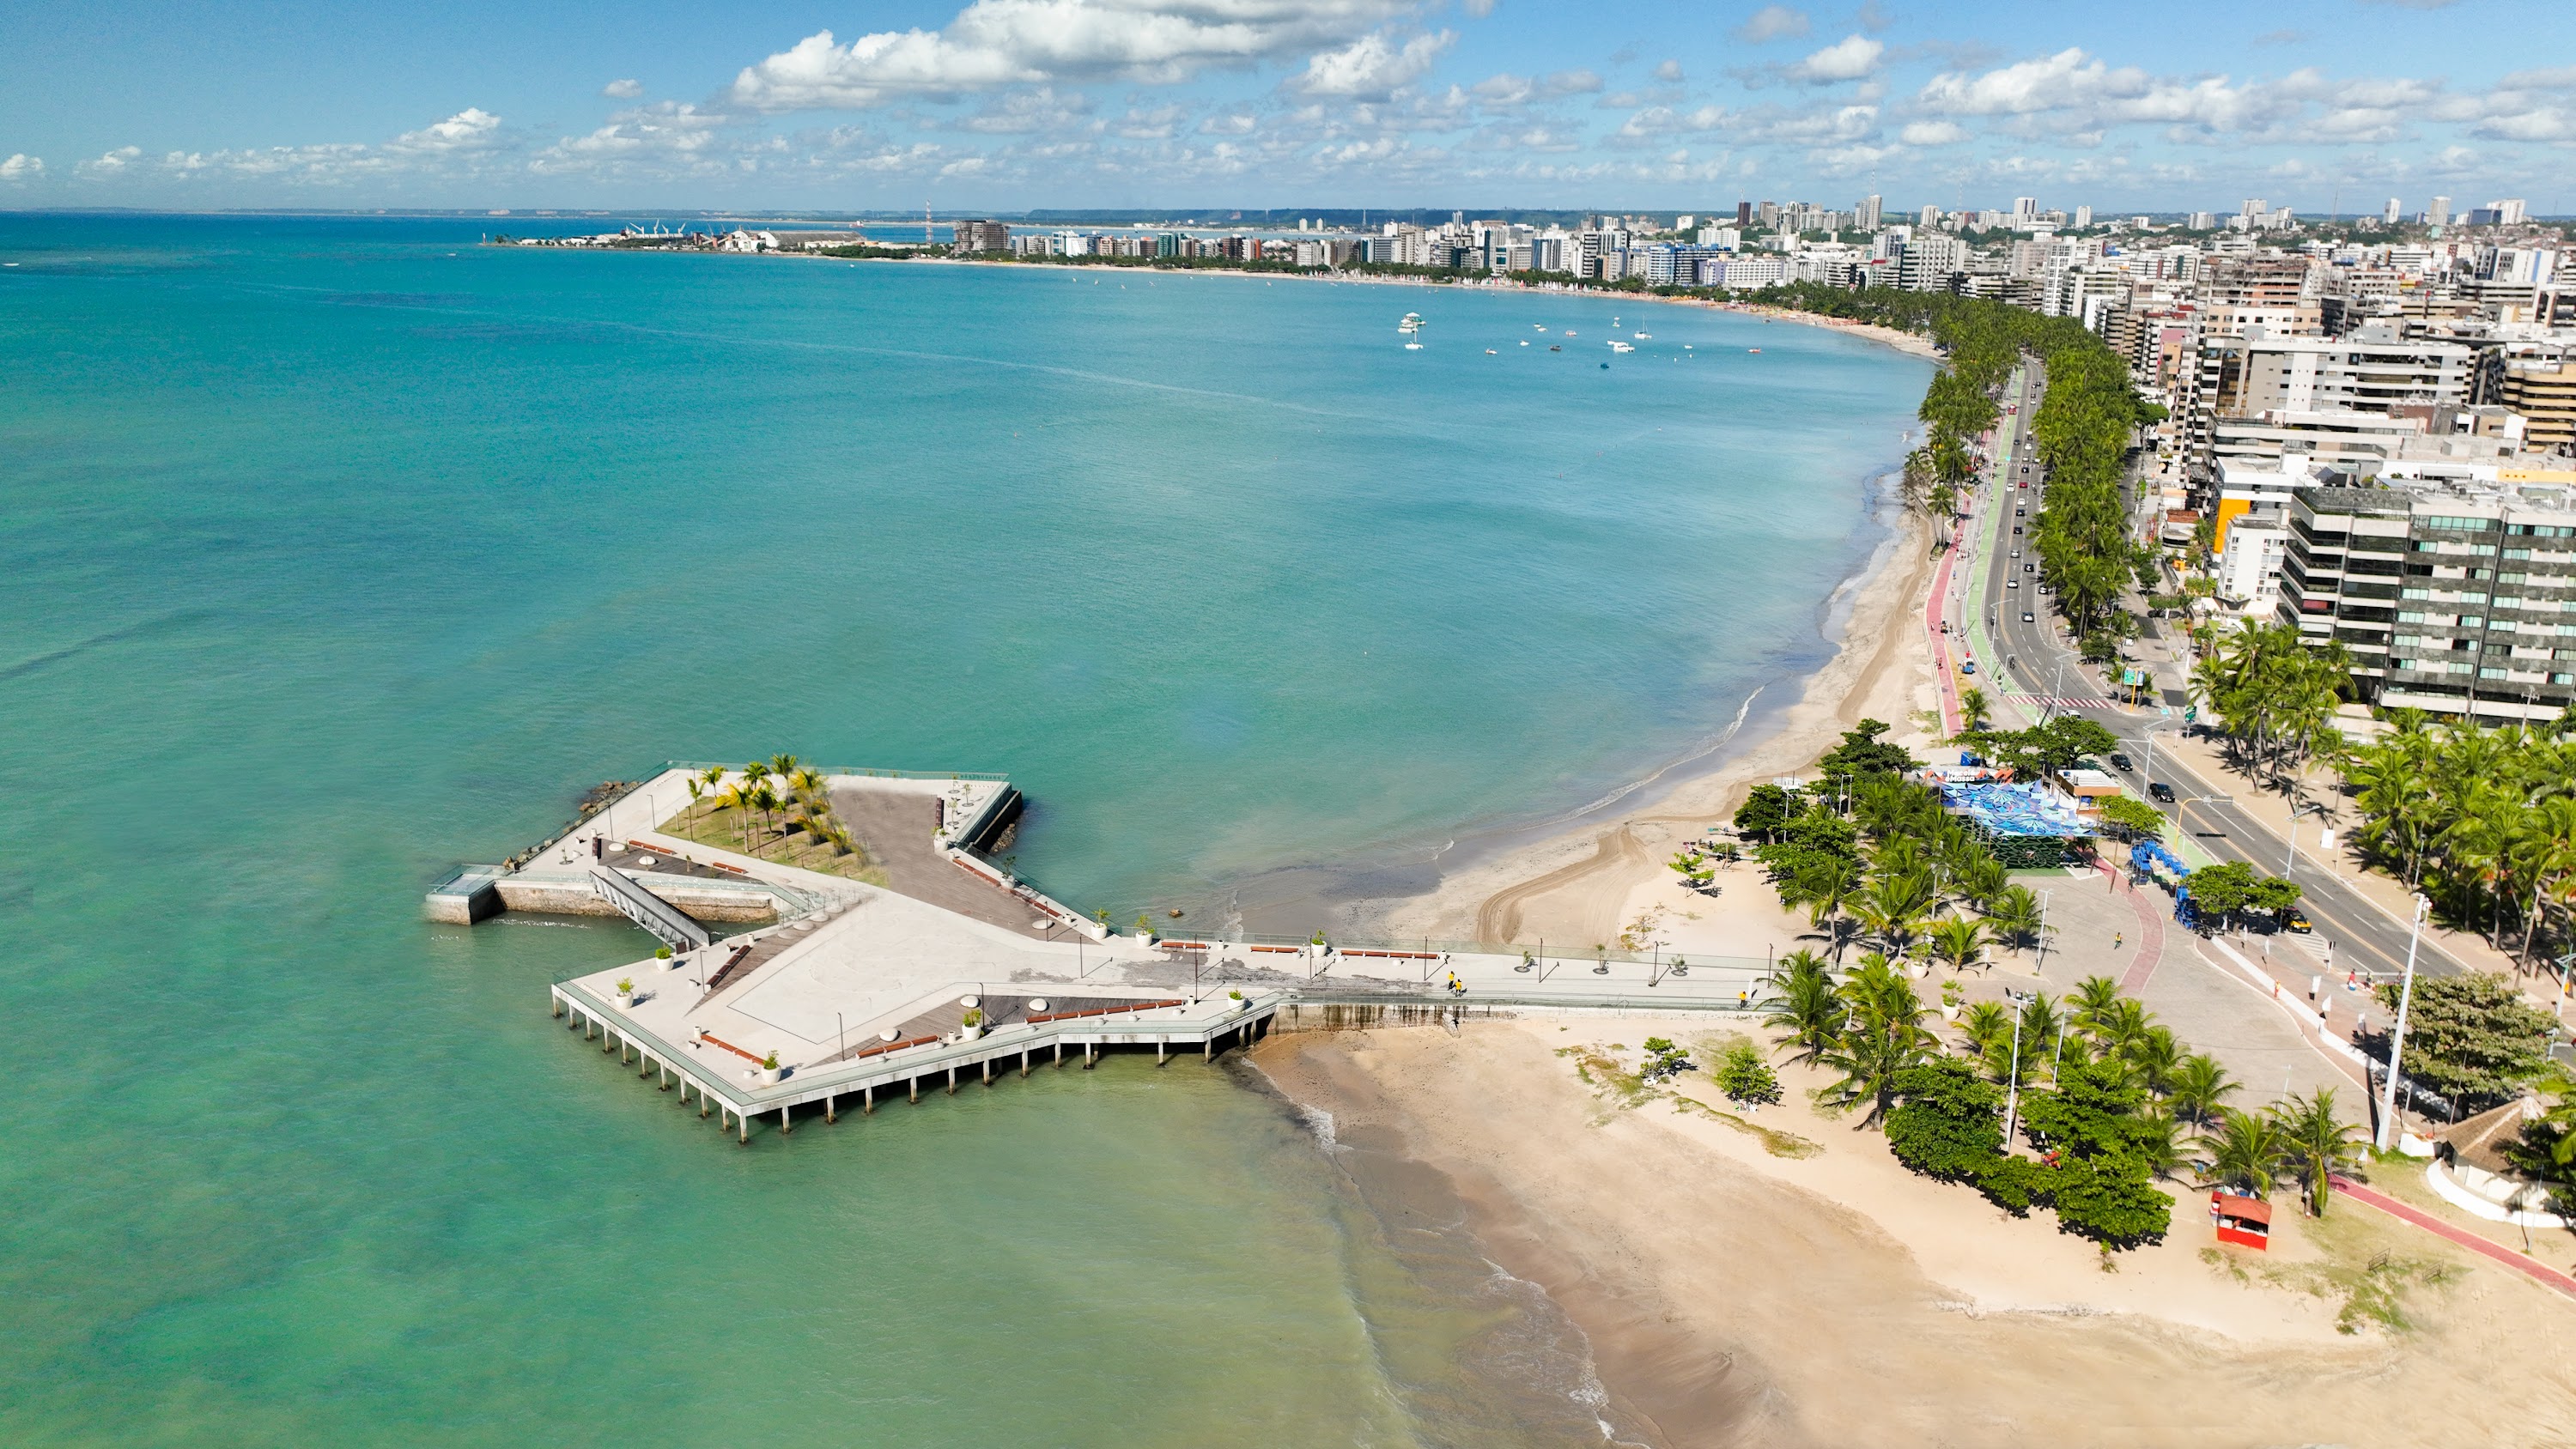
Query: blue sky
1006, 104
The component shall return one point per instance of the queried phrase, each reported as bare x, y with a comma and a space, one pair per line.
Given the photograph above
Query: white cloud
663, 138
1146, 125
2548, 123
1934, 133
111, 164
22, 167
1371, 67
1772, 22
1849, 58
1028, 113
471, 129
622, 90
994, 43
1670, 72
2062, 79
1514, 90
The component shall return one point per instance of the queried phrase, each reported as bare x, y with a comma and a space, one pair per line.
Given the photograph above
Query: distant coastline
1913, 344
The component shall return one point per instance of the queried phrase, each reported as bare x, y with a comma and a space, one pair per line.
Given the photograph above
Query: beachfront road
2226, 818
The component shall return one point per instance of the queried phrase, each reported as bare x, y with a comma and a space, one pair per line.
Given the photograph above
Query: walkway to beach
896, 826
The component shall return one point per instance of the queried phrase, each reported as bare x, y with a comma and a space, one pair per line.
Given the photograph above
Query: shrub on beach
1744, 1077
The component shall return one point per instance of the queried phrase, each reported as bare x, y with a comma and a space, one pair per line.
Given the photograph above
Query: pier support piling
1059, 1054
830, 1116
952, 1079
867, 1101
1024, 1061
988, 1071
1086, 1056
785, 1126
915, 1085
1162, 1052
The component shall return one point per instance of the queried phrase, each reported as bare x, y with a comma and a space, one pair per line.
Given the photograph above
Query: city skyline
1010, 105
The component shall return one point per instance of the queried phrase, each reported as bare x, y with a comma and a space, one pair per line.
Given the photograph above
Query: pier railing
864, 771
1417, 951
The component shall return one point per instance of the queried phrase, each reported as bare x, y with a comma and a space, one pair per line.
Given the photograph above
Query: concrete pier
701, 1068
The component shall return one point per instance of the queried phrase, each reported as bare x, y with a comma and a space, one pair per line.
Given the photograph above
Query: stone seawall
700, 905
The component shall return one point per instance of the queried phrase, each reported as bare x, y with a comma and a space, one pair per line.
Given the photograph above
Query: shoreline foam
1733, 1297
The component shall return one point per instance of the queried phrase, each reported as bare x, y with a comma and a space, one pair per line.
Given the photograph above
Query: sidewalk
2532, 1268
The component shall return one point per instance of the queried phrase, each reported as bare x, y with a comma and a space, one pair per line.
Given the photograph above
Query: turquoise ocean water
335, 552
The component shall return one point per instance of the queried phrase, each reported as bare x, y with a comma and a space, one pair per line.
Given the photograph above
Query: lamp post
2296, 811
2012, 1093
2149, 740
2039, 963
2397, 1034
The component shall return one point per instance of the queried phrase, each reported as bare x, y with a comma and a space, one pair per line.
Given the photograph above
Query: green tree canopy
2469, 1037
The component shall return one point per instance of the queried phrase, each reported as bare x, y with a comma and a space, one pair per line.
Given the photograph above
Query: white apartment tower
2391, 214
2440, 213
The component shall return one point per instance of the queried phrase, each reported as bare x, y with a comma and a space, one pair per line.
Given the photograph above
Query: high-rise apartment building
1931, 262
2458, 599
2439, 214
1867, 216
981, 235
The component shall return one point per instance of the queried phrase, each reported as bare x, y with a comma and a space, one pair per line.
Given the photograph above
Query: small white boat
1524, 342
1618, 346
1489, 352
1643, 336
1413, 347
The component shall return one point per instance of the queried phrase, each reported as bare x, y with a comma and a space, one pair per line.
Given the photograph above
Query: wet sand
1734, 1297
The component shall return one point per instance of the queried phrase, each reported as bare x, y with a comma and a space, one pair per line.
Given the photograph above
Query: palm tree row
779, 796
2083, 428
2483, 821
1914, 885
2275, 696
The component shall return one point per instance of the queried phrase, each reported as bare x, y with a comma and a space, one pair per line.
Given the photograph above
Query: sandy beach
1735, 1295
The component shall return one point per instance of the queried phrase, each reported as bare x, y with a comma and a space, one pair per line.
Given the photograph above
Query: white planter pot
625, 999
969, 1033
769, 1076
1949, 1013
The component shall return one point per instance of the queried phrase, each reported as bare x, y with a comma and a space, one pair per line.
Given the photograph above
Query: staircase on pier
649, 910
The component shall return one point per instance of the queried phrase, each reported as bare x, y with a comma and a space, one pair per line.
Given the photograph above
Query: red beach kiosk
2244, 1221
